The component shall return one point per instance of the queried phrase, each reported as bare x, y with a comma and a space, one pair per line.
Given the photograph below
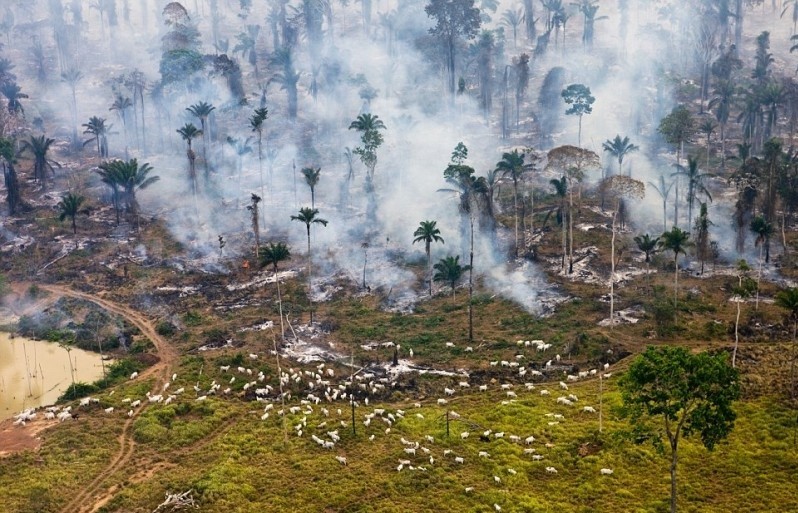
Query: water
36, 373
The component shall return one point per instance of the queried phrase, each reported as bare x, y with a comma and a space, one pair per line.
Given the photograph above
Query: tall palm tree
763, 230
8, 155
664, 190
312, 175
109, 175
130, 177
722, 102
241, 147
121, 105
309, 217
97, 128
13, 94
256, 124
619, 148
287, 77
72, 76
247, 42
70, 206
695, 184
189, 132
272, 254
788, 299
428, 232
676, 241
450, 271
648, 246
39, 147
369, 126
513, 165
561, 192
513, 18
203, 110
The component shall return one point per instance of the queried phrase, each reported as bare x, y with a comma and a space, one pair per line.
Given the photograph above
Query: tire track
84, 500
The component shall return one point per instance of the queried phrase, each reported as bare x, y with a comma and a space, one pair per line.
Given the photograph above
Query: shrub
165, 329
77, 390
192, 318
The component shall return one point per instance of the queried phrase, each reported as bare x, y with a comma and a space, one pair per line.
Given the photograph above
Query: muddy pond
36, 373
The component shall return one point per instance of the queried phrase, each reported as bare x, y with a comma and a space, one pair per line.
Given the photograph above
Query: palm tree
311, 175
273, 254
13, 94
664, 191
561, 192
763, 231
675, 240
648, 246
794, 5
707, 127
13, 197
70, 206
121, 105
513, 165
189, 132
695, 184
788, 299
130, 178
256, 124
369, 126
203, 110
428, 232
246, 45
308, 216
287, 77
722, 102
99, 131
72, 76
38, 147
109, 175
449, 270
513, 18
619, 148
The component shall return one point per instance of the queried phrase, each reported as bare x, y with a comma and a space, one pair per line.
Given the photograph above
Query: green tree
256, 124
676, 241
8, 156
39, 147
763, 231
311, 175
664, 190
109, 175
129, 177
189, 132
561, 193
581, 102
450, 271
202, 111
97, 128
744, 289
723, 100
788, 300
308, 216
677, 129
369, 127
454, 20
428, 232
13, 94
619, 149
648, 246
121, 105
670, 393
513, 166
272, 254
702, 243
70, 206
695, 184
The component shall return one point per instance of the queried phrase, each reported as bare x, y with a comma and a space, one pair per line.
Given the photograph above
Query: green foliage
579, 98
670, 392
165, 328
4, 288
77, 390
192, 318
178, 65
677, 127
118, 372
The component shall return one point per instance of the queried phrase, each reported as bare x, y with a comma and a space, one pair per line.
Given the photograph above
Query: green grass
247, 467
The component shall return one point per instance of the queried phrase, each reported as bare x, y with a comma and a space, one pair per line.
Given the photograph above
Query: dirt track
85, 499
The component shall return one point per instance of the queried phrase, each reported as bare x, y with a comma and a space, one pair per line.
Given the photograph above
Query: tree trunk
570, 231
515, 210
310, 279
736, 333
758, 278
429, 268
674, 459
612, 271
471, 285
675, 287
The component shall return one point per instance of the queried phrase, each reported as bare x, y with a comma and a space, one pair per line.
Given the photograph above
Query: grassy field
237, 462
